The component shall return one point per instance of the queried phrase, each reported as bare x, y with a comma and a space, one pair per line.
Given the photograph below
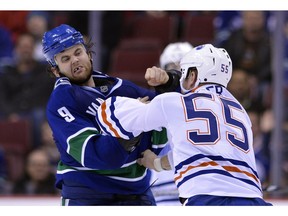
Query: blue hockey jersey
89, 159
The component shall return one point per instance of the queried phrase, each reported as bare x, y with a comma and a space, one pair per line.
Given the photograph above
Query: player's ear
55, 71
192, 78
90, 57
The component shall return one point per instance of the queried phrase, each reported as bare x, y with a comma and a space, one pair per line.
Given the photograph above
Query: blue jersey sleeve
79, 141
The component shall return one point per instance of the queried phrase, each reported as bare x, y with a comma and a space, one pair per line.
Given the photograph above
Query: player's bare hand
156, 76
148, 159
144, 99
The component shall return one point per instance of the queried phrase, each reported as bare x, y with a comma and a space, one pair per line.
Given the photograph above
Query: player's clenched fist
148, 159
156, 76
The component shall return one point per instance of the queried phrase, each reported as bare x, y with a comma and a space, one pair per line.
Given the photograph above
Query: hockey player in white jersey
212, 150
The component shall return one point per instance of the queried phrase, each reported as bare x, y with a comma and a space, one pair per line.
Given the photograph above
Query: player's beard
80, 81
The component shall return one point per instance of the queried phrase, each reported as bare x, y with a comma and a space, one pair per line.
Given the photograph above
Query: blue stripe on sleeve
114, 118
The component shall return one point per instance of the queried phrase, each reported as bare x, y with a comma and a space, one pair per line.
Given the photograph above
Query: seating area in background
163, 28
132, 57
148, 35
198, 29
15, 140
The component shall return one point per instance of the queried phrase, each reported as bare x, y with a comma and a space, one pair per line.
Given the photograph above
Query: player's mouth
77, 69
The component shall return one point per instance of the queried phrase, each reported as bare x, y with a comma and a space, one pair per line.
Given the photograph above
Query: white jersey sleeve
125, 118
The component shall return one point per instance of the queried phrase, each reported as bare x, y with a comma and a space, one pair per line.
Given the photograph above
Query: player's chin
80, 79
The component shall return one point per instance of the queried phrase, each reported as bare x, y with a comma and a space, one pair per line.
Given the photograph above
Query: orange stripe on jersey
235, 169
213, 163
104, 117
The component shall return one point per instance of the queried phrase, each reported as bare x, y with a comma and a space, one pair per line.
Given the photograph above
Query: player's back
212, 139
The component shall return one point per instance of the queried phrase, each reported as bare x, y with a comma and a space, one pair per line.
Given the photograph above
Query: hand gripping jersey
91, 161
211, 138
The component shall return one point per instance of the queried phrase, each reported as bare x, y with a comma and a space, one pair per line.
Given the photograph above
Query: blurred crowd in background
28, 155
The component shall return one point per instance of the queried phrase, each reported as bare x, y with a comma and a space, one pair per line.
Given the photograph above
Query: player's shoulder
62, 87
62, 81
62, 91
168, 97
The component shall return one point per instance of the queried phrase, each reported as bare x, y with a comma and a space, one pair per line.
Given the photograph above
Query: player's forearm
119, 117
172, 84
151, 161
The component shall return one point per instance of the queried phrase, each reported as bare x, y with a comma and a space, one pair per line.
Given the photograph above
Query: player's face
190, 81
75, 64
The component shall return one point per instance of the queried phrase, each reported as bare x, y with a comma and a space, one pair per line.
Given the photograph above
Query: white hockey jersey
211, 138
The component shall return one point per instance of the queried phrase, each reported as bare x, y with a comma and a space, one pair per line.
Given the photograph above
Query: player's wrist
166, 79
157, 164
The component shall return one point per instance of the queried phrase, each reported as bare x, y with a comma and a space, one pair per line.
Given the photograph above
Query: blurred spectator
25, 86
6, 44
15, 22
261, 144
37, 25
48, 144
3, 172
38, 177
250, 45
242, 86
286, 52
2, 164
250, 49
226, 22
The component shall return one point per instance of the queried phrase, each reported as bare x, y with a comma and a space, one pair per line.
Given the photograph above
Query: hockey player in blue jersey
94, 169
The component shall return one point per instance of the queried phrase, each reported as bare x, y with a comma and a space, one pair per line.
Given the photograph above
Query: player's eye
78, 52
65, 59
